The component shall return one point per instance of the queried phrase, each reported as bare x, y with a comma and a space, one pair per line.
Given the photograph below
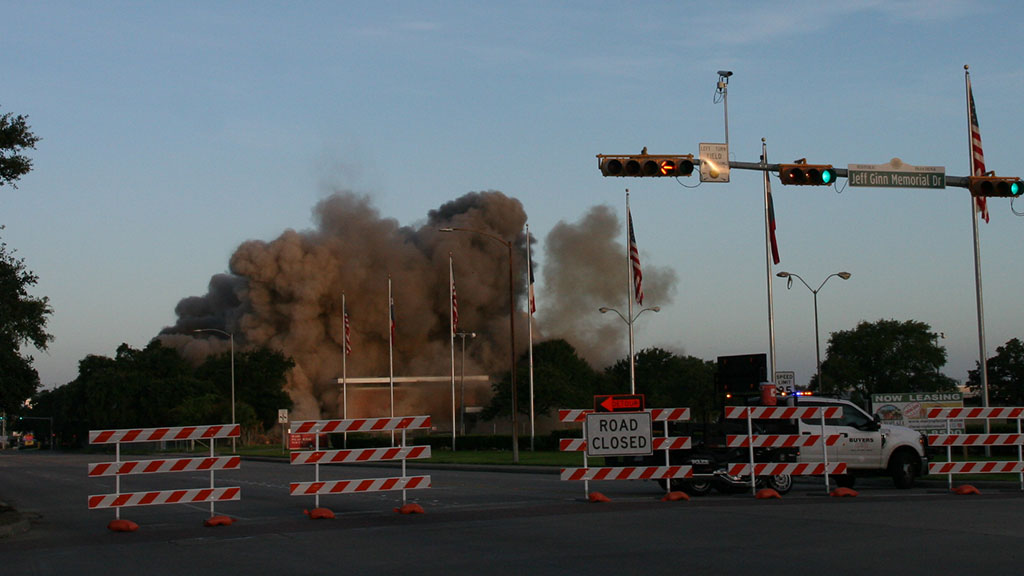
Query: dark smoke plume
287, 294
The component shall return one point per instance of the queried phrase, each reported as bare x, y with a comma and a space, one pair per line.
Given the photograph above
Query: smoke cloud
287, 294
586, 268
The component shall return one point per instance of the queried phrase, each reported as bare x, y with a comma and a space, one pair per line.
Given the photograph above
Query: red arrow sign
619, 403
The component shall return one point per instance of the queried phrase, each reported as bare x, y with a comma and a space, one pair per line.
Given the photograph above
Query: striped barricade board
783, 412
975, 439
790, 468
361, 425
657, 415
988, 467
359, 485
165, 465
975, 413
190, 496
127, 435
628, 473
360, 455
780, 440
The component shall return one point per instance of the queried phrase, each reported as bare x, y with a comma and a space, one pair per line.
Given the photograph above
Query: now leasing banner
910, 409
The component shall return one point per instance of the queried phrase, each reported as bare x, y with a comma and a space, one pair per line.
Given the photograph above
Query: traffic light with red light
807, 174
995, 186
646, 165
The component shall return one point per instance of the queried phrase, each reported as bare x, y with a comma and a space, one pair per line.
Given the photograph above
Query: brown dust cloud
287, 294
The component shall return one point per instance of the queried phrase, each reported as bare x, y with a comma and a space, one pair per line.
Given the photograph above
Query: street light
462, 394
511, 332
817, 345
629, 322
231, 336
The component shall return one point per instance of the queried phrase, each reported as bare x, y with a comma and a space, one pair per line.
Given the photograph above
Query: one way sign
619, 403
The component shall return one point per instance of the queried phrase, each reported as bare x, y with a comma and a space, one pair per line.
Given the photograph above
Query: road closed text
619, 434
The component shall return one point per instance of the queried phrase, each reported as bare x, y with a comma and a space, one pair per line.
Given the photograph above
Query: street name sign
625, 434
896, 174
619, 403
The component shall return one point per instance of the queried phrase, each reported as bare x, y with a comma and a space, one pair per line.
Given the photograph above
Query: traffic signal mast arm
951, 181
797, 173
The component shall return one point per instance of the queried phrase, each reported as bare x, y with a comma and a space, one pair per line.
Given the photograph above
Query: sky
172, 132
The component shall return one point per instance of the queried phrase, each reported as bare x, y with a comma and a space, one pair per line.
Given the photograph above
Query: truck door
861, 444
812, 426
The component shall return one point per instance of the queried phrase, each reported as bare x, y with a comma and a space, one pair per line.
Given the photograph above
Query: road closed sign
623, 434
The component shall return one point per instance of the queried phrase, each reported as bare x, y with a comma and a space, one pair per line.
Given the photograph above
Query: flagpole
629, 295
769, 260
391, 352
529, 320
451, 335
344, 367
977, 169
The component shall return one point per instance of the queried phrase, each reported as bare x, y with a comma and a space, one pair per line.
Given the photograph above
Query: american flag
348, 336
455, 309
391, 314
634, 258
977, 154
533, 300
771, 223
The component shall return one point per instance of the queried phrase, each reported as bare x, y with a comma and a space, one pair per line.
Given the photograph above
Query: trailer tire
697, 487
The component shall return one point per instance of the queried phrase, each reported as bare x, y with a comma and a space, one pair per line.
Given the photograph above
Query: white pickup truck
866, 445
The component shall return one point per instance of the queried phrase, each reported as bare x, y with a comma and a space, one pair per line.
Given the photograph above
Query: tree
22, 322
15, 136
884, 356
260, 376
156, 386
561, 379
669, 381
1005, 375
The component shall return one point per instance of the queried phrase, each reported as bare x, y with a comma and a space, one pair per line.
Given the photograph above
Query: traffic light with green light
995, 186
807, 174
646, 165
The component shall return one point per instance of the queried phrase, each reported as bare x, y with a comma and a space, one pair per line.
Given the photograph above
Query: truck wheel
781, 483
904, 468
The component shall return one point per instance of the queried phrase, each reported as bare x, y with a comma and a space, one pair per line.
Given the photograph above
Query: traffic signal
999, 186
646, 165
807, 174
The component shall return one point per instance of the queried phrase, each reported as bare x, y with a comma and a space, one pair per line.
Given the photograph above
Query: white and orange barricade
119, 468
663, 443
402, 453
949, 440
752, 441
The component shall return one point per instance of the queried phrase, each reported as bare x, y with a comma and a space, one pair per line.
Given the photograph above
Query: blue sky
174, 131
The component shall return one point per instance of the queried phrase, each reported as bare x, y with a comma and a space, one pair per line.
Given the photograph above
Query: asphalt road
499, 523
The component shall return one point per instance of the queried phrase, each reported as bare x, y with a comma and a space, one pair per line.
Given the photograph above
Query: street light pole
231, 337
817, 339
632, 357
511, 332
